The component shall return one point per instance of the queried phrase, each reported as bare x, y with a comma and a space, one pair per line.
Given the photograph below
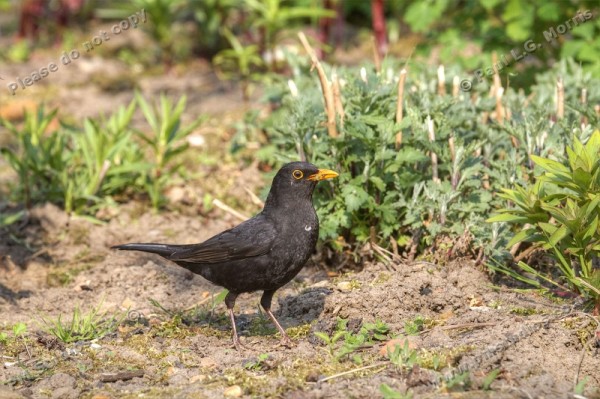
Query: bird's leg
230, 303
265, 301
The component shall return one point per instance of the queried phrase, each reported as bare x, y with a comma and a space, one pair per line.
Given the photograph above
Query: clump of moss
299, 331
437, 359
382, 278
524, 311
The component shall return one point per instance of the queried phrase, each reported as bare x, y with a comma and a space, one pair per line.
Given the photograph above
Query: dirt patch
535, 344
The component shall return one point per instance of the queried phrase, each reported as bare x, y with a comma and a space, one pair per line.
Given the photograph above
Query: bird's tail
160, 249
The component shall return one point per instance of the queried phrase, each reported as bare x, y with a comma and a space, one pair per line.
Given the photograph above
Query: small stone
320, 284
234, 391
95, 346
196, 140
197, 378
65, 393
208, 362
128, 304
399, 341
7, 393
344, 286
175, 194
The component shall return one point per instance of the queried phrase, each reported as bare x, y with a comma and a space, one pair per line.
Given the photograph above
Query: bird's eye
297, 174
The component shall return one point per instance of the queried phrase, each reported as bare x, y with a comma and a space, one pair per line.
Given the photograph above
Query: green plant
211, 16
270, 17
394, 194
165, 141
258, 364
402, 356
458, 382
84, 326
37, 159
489, 379
580, 387
559, 212
330, 341
18, 330
415, 326
96, 154
239, 61
351, 342
390, 393
163, 22
7, 219
501, 26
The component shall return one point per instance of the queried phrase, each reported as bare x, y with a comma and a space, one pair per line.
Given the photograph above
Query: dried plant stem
452, 147
400, 105
441, 80
376, 56
254, 198
103, 171
337, 98
499, 108
434, 159
560, 99
325, 86
584, 119
497, 90
455, 86
381, 364
230, 210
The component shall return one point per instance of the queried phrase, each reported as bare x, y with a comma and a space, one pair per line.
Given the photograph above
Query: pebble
234, 391
197, 378
344, 286
208, 362
7, 393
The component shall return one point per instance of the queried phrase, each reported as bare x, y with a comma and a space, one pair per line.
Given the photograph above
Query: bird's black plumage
263, 253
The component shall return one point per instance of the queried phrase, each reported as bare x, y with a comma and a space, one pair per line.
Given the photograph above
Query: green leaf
520, 236
508, 218
354, 197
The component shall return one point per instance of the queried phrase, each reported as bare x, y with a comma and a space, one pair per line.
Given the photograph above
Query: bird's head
296, 181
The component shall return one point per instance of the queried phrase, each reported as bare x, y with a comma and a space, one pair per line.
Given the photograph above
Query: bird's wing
251, 238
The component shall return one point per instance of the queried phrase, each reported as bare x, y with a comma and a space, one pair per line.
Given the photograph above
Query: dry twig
400, 105
325, 86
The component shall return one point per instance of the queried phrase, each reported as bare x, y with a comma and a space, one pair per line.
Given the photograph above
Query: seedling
84, 326
390, 393
489, 379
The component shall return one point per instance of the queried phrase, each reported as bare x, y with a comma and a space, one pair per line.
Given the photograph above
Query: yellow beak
323, 174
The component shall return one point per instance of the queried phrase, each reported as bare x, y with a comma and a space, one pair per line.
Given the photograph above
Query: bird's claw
238, 345
286, 342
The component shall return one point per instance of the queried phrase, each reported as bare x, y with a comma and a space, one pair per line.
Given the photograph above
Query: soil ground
462, 319
536, 344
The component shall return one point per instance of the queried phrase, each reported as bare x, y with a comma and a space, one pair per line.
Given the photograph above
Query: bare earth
493, 329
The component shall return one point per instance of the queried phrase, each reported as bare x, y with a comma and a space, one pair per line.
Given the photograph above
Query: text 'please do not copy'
67, 57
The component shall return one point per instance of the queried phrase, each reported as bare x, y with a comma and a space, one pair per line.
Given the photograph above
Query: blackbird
262, 253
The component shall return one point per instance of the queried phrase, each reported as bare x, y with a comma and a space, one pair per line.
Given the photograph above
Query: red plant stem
325, 27
378, 19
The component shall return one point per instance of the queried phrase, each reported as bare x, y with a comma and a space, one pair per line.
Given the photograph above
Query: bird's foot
238, 344
286, 342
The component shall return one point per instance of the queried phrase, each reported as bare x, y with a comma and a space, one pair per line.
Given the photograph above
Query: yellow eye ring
297, 174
